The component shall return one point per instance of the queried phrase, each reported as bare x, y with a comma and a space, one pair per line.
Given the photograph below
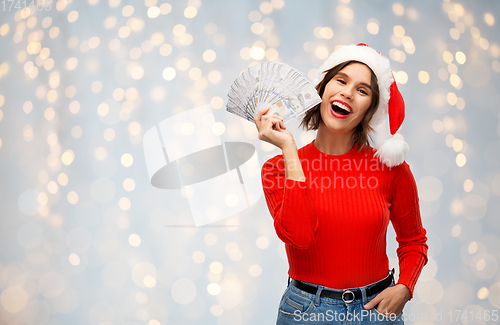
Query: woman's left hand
391, 301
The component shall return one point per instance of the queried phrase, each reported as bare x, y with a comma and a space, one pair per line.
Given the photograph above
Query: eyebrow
346, 76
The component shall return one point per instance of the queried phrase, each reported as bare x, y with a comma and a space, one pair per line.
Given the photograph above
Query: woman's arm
285, 187
410, 234
290, 203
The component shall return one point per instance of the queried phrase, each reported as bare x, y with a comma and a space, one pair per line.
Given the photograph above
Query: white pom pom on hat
392, 151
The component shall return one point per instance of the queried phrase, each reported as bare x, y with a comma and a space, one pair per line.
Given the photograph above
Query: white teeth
345, 108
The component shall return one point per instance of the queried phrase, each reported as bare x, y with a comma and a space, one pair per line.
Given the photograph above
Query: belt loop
288, 281
363, 294
318, 295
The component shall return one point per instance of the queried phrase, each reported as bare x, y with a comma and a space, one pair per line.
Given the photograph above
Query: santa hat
392, 151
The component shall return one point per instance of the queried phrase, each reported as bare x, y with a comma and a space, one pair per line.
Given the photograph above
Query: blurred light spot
454, 33
321, 52
124, 203
326, 33
67, 157
219, 128
179, 30
401, 77
255, 270
456, 230
461, 160
451, 98
254, 16
165, 50
109, 22
262, 242
198, 257
169, 73
482, 293
73, 16
190, 12
214, 77
101, 153
272, 54
398, 9
489, 19
423, 76
72, 197
373, 26
216, 102
257, 52
74, 107
127, 160
266, 7
43, 198
14, 299
124, 32
74, 259
149, 281
430, 291
452, 68
109, 134
127, 11
76, 132
257, 28
209, 55
153, 12
447, 57
134, 240
96, 87
128, 185
457, 145
4, 29
484, 266
27, 107
165, 8
216, 310
142, 299
183, 291
62, 179
399, 31
213, 289
216, 267
430, 188
468, 185
460, 57
71, 63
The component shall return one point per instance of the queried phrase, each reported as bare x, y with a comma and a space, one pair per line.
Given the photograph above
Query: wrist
404, 289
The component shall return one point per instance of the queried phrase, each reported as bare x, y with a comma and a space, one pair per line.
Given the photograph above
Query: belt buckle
348, 291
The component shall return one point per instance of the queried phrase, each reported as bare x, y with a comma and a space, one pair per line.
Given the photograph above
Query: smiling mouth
341, 108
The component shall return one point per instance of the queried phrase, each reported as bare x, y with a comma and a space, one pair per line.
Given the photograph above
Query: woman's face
346, 98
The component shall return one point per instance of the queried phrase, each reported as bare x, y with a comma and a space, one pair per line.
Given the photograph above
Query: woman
332, 199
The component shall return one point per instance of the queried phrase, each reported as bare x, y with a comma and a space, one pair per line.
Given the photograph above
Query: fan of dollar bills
272, 84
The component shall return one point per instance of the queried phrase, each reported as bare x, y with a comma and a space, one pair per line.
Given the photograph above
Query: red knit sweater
334, 224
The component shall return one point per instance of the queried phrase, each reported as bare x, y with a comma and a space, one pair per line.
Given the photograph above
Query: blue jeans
301, 307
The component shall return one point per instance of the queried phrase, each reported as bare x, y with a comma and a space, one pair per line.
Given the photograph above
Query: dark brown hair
362, 134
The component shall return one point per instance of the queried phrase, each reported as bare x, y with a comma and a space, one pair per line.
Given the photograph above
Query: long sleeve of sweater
290, 204
410, 234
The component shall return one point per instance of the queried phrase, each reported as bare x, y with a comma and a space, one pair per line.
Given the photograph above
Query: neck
333, 143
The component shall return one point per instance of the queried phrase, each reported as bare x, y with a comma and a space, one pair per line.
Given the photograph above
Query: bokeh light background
84, 236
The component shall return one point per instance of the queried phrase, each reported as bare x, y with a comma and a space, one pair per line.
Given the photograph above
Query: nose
347, 94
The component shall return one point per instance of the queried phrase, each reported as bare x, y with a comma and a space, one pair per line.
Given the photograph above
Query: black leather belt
347, 295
